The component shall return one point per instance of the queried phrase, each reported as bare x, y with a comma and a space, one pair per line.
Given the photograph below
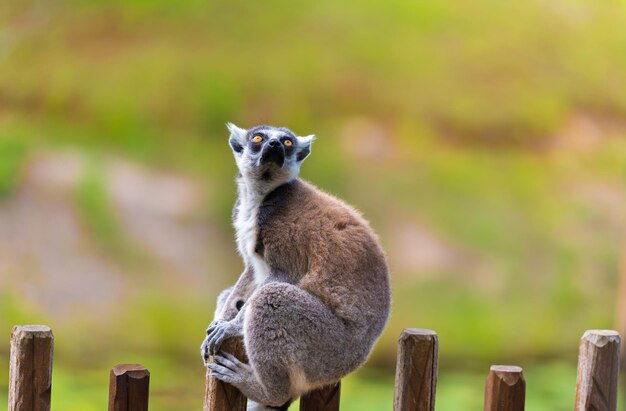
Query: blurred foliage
12, 154
480, 105
92, 202
481, 71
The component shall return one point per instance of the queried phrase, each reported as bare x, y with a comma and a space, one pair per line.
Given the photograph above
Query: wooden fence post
129, 387
598, 369
30, 372
220, 396
505, 389
416, 370
322, 399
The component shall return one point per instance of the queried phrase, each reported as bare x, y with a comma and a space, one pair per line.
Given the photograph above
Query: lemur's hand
218, 331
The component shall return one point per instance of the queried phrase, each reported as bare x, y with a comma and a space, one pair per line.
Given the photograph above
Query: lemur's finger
222, 377
231, 358
211, 331
213, 335
216, 341
212, 327
221, 373
225, 362
213, 339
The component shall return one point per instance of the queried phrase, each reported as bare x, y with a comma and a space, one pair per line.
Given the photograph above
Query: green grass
550, 387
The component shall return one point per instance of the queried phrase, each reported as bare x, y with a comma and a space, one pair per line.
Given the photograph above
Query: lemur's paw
218, 331
229, 369
205, 347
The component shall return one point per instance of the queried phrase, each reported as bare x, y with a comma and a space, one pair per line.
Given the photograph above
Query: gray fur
315, 290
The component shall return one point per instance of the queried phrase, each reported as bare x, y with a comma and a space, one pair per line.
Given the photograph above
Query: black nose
274, 143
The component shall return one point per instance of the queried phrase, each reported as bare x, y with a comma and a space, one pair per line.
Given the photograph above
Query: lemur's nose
274, 143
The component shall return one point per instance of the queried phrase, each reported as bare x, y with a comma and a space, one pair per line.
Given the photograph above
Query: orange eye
288, 143
257, 139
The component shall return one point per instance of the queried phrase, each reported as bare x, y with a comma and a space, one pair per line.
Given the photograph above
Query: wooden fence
30, 377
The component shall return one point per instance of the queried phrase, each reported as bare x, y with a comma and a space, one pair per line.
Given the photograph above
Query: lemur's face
269, 153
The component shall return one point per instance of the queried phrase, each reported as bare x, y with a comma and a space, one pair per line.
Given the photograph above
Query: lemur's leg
237, 297
227, 321
221, 300
294, 343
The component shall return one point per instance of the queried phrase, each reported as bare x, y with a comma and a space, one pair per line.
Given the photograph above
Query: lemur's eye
257, 139
288, 143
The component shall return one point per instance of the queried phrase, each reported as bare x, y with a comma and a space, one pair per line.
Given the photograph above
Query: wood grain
598, 369
505, 389
30, 372
323, 399
129, 387
220, 396
416, 370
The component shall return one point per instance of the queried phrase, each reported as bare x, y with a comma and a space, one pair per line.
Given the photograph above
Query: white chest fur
246, 228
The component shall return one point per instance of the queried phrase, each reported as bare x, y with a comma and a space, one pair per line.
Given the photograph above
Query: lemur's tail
255, 406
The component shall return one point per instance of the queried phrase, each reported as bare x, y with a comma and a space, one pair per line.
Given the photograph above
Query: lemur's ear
304, 146
237, 137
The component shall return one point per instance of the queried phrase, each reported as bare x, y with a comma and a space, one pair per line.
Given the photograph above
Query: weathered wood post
322, 399
416, 370
129, 387
598, 369
220, 396
30, 372
505, 389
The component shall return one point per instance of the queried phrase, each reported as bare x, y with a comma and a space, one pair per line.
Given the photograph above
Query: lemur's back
323, 245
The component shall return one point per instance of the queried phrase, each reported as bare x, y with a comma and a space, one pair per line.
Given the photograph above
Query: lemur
314, 296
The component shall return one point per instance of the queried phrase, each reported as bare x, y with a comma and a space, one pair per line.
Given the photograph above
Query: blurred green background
484, 140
